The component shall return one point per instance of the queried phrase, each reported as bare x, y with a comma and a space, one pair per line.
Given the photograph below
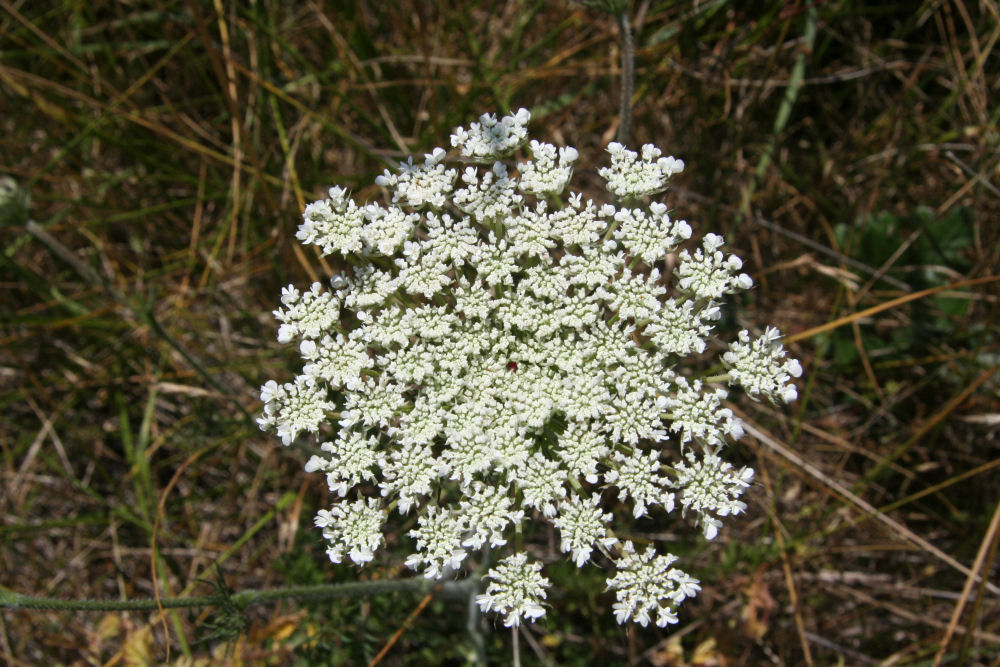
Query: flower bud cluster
503, 353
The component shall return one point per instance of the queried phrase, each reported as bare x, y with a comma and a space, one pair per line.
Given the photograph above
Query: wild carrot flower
503, 353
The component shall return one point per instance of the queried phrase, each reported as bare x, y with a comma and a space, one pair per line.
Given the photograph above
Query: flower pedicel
501, 352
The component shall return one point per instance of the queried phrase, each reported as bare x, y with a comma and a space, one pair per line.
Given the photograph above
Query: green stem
451, 589
628, 77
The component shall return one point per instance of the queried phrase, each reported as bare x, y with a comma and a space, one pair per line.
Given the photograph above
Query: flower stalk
244, 599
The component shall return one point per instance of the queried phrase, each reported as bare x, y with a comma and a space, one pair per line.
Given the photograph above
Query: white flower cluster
500, 356
516, 589
757, 366
491, 139
417, 185
647, 583
628, 177
711, 487
543, 176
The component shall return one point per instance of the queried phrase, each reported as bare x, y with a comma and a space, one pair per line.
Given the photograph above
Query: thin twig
988, 541
797, 237
786, 567
847, 319
860, 503
972, 172
858, 658
406, 624
628, 77
536, 647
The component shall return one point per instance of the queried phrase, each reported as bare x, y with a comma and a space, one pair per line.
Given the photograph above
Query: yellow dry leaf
706, 654
758, 609
185, 661
137, 649
284, 630
229, 655
670, 654
109, 627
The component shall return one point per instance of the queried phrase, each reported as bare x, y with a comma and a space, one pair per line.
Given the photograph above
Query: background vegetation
847, 149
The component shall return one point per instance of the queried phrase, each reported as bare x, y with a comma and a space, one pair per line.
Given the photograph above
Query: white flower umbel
502, 359
646, 584
454, 240
699, 415
530, 233
353, 457
308, 314
335, 361
487, 512
373, 402
638, 476
353, 527
577, 223
516, 590
582, 526
333, 224
634, 297
634, 417
439, 542
595, 267
541, 483
681, 327
582, 449
708, 274
757, 366
419, 185
294, 407
710, 486
490, 139
489, 198
408, 473
630, 177
544, 176
650, 236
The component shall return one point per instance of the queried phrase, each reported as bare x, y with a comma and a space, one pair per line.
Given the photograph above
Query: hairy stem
11, 600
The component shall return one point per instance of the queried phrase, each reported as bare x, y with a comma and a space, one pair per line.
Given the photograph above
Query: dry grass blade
845, 494
929, 424
937, 488
786, 568
384, 651
859, 594
980, 565
972, 172
847, 319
